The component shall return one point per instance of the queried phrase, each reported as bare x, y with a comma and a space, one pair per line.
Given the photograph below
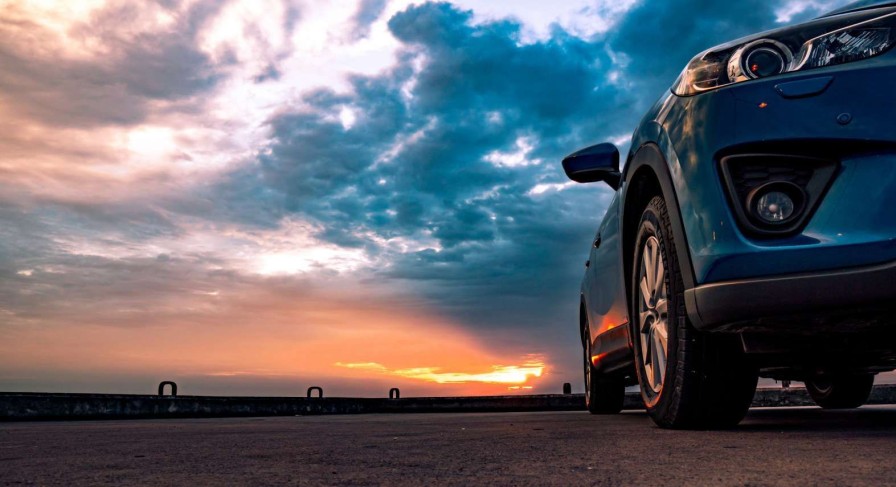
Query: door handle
587, 263
597, 242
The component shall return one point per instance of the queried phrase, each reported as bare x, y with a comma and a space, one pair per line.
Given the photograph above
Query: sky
253, 197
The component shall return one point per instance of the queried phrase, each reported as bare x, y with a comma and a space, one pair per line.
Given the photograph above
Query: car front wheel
688, 379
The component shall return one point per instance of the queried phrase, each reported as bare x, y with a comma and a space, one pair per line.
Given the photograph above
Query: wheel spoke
655, 363
647, 353
659, 363
662, 331
649, 267
645, 293
646, 344
644, 322
659, 286
662, 307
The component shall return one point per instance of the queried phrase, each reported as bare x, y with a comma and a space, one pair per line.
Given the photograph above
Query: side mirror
596, 163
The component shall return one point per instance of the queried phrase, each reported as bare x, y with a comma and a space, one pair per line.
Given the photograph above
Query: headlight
824, 42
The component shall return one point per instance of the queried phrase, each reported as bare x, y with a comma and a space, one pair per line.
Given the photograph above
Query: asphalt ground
780, 446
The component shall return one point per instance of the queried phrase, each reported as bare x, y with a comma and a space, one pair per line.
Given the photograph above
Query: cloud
118, 62
538, 19
368, 12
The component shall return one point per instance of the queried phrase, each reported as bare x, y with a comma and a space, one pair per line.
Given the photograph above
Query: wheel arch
647, 175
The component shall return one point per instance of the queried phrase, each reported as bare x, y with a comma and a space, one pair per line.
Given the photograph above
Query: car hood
861, 5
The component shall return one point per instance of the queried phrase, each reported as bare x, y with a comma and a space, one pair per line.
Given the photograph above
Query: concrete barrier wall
48, 406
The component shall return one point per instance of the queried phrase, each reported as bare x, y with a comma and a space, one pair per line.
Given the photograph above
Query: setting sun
498, 374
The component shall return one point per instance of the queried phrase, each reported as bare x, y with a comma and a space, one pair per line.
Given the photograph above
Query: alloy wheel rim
653, 316
587, 339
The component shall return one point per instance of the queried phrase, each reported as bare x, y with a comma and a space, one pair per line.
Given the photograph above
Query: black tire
706, 382
840, 391
603, 394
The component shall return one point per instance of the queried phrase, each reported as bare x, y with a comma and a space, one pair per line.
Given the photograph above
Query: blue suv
753, 228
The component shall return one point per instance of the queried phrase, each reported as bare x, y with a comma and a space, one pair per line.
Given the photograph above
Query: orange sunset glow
277, 344
499, 374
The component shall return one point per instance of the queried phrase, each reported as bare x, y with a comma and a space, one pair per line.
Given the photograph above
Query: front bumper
844, 299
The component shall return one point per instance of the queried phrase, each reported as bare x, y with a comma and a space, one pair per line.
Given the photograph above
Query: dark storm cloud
112, 88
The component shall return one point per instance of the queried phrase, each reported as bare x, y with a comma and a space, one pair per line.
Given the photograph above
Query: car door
606, 289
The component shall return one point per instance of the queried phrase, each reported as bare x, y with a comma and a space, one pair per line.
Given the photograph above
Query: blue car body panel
718, 249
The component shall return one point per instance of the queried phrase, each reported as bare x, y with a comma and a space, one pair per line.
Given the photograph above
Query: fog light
774, 207
776, 203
